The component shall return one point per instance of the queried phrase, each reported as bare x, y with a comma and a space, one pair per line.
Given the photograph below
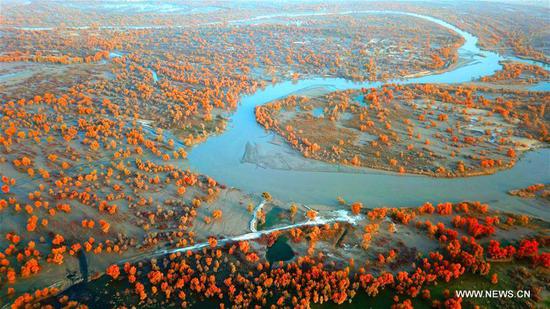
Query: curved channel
220, 156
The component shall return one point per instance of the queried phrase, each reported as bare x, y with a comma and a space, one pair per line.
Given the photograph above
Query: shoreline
66, 283
382, 170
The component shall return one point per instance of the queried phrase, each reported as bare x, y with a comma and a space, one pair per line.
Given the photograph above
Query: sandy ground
341, 129
15, 77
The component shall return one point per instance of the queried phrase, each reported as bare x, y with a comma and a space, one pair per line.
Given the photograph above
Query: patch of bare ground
445, 131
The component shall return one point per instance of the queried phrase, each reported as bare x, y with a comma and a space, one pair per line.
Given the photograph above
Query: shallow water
220, 156
279, 251
318, 112
154, 74
540, 86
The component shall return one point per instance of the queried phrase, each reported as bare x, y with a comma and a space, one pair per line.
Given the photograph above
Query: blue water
154, 74
318, 112
220, 156
541, 86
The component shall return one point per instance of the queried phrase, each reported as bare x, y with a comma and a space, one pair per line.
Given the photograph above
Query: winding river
221, 156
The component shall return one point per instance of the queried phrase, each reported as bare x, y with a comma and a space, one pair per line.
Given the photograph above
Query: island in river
285, 155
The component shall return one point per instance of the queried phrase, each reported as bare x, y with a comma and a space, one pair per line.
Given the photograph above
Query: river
220, 156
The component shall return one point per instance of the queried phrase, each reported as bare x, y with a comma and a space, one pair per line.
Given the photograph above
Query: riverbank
393, 240
266, 165
188, 212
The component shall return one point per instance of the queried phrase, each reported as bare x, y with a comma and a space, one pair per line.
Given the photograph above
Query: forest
108, 200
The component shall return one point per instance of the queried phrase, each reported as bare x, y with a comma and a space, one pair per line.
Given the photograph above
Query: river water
221, 156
